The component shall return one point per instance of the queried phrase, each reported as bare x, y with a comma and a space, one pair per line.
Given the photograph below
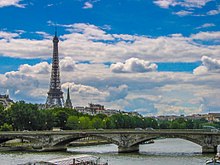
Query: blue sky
152, 56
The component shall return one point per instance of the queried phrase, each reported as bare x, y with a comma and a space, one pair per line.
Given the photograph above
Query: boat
72, 160
214, 161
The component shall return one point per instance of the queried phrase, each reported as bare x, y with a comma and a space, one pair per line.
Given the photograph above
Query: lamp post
29, 125
79, 124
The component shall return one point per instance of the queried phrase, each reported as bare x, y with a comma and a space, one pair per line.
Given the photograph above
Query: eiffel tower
55, 94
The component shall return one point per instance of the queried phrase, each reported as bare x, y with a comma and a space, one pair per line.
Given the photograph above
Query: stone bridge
126, 140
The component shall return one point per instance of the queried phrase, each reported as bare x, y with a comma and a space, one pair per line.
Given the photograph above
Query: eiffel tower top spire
55, 31
55, 94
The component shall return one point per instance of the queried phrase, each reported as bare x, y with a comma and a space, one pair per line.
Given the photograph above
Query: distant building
169, 117
68, 103
213, 117
6, 101
94, 109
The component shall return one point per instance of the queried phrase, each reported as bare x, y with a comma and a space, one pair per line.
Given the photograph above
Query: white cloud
40, 68
187, 6
183, 13
206, 25
208, 64
86, 42
17, 81
214, 12
67, 64
81, 89
165, 3
206, 36
8, 35
201, 70
45, 35
184, 3
133, 65
116, 93
16, 3
91, 32
152, 93
141, 105
88, 5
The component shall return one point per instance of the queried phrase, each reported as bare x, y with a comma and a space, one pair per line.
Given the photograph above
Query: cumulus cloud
67, 64
133, 65
116, 93
83, 90
201, 70
91, 32
141, 105
87, 5
152, 93
208, 64
85, 42
16, 81
206, 36
40, 68
16, 3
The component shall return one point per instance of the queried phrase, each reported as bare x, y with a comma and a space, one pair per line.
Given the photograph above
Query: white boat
213, 162
72, 160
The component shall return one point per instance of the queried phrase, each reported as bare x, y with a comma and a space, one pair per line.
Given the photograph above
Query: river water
162, 152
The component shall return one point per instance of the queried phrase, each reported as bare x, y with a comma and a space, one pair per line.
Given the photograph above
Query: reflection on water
163, 151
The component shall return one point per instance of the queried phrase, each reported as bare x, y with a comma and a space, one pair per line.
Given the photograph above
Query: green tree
72, 122
60, 119
164, 124
24, 116
6, 127
97, 122
84, 122
110, 123
3, 114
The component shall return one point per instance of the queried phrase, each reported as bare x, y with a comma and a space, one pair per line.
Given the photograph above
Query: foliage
6, 127
24, 116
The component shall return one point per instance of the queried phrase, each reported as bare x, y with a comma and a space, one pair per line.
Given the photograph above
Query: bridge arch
68, 139
148, 138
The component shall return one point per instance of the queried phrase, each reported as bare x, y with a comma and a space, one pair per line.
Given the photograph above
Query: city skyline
153, 57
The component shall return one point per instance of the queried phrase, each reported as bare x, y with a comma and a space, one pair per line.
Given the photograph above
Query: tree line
25, 116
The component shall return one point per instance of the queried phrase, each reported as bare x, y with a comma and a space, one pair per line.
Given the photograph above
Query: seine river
162, 152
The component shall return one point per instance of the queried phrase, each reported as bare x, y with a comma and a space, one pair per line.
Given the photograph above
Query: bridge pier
128, 149
209, 149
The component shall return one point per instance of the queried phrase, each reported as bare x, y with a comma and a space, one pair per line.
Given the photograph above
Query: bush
6, 127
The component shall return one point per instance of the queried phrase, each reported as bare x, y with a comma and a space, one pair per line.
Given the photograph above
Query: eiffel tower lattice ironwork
55, 94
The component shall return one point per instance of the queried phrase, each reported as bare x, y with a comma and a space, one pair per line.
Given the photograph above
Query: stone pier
128, 149
209, 149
